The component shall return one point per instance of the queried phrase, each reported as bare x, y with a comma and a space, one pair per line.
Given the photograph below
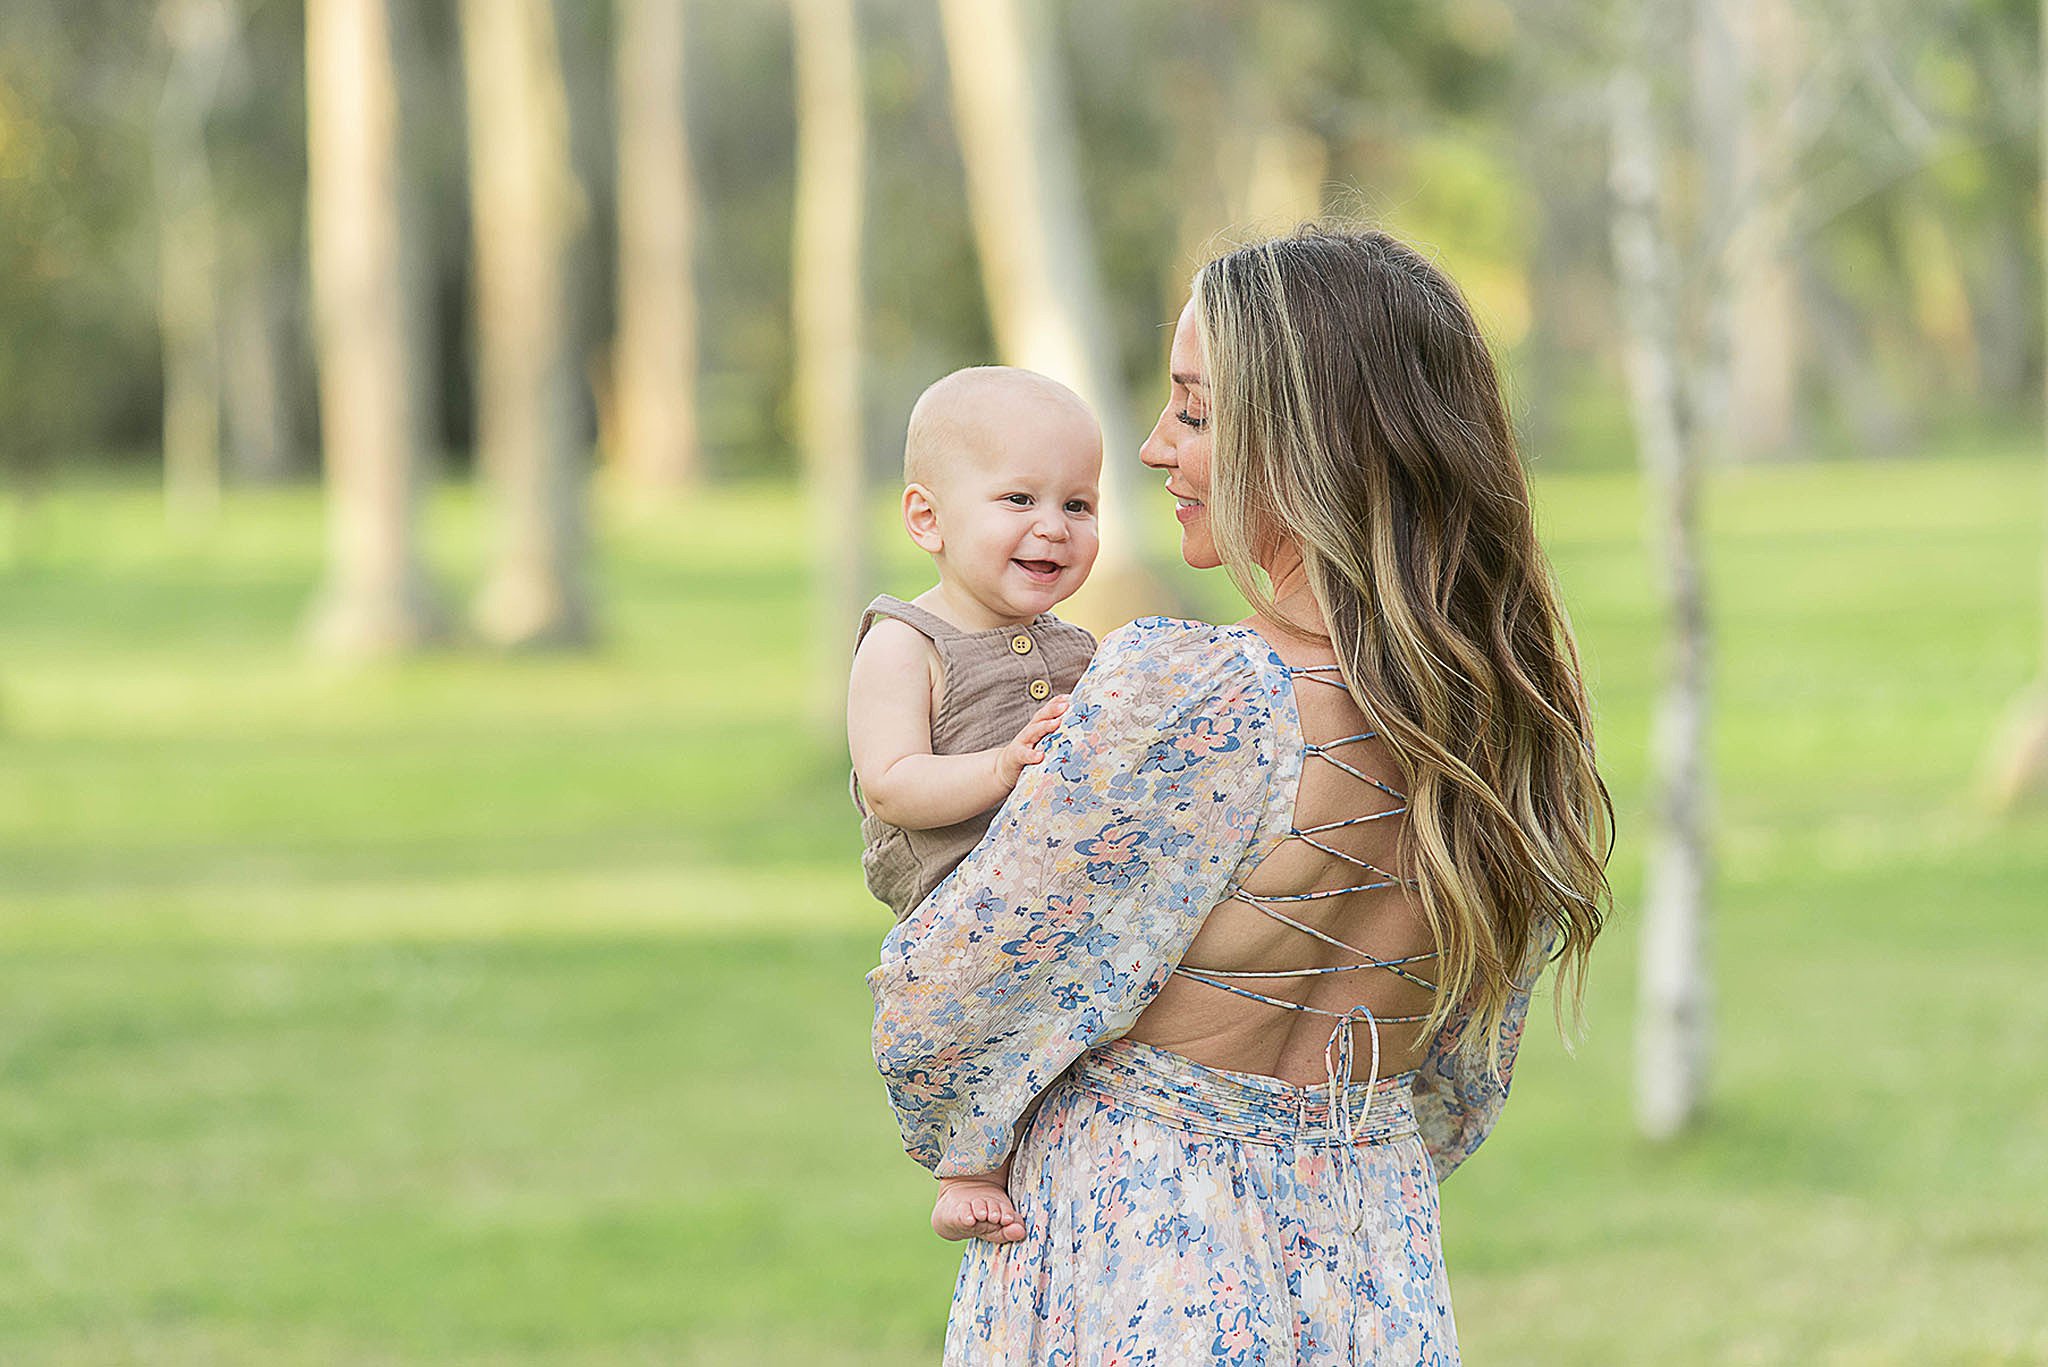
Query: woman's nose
1155, 451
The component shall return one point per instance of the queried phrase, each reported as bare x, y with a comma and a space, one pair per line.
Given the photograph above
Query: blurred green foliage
1472, 126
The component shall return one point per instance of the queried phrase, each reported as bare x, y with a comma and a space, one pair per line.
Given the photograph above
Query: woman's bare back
1203, 1020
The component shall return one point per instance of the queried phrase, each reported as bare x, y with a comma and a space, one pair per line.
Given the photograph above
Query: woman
1240, 969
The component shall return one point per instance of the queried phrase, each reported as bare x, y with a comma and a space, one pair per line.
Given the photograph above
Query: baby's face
1019, 516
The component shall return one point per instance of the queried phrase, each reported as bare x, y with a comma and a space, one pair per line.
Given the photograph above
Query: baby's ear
921, 519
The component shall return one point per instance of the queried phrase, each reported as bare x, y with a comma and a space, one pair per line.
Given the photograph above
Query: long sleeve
1458, 1092
1165, 777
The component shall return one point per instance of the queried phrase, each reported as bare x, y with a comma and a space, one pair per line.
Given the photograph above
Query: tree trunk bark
1673, 1028
522, 195
198, 35
1038, 265
831, 170
2019, 755
376, 599
654, 365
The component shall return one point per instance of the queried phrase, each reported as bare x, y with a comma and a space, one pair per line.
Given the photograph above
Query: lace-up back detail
1338, 1052
1180, 774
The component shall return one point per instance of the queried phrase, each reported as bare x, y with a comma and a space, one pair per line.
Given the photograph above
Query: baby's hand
1011, 759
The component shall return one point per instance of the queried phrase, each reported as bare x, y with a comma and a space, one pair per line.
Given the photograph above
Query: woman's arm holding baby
889, 734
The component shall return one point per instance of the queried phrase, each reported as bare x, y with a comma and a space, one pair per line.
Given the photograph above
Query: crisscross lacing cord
1337, 1053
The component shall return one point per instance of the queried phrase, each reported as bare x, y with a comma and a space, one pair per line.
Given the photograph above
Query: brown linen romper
991, 683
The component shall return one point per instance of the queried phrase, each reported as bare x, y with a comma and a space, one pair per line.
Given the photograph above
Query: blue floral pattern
1171, 776
1183, 1214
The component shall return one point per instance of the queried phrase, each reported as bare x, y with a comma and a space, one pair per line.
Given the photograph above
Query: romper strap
933, 626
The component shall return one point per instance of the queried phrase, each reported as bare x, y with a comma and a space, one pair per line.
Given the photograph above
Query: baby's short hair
950, 415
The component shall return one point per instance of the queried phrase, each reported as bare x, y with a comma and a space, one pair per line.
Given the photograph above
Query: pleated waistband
1247, 1106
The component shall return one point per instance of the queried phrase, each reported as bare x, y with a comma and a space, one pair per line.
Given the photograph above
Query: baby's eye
1078, 505
1191, 420
1018, 500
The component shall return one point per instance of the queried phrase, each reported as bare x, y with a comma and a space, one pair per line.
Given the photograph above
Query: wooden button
1021, 643
1040, 690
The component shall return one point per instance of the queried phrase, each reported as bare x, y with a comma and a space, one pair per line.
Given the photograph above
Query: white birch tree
523, 205
1673, 1028
654, 359
376, 598
1039, 272
826, 298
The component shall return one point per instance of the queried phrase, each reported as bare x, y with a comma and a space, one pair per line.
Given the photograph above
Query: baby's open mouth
1041, 569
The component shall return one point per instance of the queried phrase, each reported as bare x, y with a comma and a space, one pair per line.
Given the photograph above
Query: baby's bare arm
889, 734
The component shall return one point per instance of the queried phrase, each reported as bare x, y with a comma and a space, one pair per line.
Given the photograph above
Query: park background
445, 446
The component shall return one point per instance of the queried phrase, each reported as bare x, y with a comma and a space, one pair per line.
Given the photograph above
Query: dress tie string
1337, 1055
1337, 1061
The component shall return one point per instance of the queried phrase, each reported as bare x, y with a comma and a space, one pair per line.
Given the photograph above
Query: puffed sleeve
1459, 1092
1165, 777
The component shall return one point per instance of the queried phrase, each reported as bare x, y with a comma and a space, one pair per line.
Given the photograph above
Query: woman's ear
921, 519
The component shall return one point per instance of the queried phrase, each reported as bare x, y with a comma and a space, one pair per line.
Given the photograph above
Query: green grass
481, 1010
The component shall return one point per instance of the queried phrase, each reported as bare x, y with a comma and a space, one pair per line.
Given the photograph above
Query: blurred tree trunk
1990, 218
1673, 1028
432, 247
1848, 355
1563, 164
1991, 241
376, 599
654, 361
523, 203
2019, 755
1214, 34
1272, 167
1038, 265
1760, 349
1720, 85
199, 36
831, 173
254, 397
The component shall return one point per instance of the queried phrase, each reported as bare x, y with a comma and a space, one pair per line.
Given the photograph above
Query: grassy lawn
487, 1011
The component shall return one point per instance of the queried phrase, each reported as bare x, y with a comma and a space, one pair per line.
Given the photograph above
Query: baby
952, 692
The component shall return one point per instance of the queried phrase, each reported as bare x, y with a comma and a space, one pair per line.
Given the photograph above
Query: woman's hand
1012, 758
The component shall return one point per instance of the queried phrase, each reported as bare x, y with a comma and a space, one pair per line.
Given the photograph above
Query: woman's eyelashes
1190, 420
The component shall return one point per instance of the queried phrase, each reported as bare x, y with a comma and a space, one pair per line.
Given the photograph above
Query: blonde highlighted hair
1357, 412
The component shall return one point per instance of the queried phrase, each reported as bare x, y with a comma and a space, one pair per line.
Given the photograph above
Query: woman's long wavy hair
1356, 410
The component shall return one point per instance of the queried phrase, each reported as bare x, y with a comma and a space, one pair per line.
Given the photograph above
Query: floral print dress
1174, 1213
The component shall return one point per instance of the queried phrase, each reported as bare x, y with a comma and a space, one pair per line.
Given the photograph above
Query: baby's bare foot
968, 1208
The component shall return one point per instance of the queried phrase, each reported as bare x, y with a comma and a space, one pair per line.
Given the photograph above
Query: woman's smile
1180, 443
